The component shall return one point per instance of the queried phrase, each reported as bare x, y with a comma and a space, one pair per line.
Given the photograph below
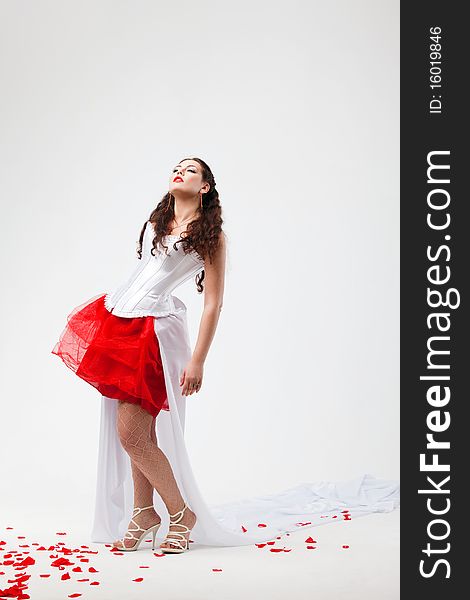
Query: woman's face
188, 175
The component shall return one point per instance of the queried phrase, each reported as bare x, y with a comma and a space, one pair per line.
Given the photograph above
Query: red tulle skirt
118, 356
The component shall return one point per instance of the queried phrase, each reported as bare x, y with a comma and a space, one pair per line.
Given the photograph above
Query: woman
189, 215
133, 346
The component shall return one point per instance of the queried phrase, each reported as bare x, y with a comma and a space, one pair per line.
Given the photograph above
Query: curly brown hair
202, 234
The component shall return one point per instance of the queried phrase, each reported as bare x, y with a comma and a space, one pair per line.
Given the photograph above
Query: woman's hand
191, 378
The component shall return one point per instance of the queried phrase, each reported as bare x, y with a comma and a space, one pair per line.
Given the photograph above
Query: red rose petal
345, 546
95, 583
310, 540
81, 580
138, 579
74, 595
65, 576
45, 575
217, 570
244, 530
311, 547
92, 570
276, 549
260, 545
262, 525
61, 562
77, 570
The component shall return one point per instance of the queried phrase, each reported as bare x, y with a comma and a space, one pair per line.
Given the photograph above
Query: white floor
368, 569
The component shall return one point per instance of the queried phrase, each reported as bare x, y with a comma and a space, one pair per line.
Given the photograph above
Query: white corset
148, 291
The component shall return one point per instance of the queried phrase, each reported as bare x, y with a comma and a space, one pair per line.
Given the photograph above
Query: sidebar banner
435, 356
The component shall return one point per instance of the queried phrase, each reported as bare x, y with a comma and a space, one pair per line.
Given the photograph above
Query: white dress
148, 291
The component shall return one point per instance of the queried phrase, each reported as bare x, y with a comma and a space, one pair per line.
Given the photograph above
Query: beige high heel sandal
152, 530
171, 540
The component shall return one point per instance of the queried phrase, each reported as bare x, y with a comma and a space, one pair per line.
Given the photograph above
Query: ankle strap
180, 512
139, 509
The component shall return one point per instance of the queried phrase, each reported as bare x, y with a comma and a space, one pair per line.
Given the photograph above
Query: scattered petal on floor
67, 559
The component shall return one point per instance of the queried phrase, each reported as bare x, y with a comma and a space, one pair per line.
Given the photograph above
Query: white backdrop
295, 106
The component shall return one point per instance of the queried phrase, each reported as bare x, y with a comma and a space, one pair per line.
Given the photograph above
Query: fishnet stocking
150, 467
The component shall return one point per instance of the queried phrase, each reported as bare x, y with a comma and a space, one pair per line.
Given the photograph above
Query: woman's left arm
214, 280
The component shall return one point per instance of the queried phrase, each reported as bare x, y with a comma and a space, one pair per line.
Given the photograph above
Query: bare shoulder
222, 241
218, 260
